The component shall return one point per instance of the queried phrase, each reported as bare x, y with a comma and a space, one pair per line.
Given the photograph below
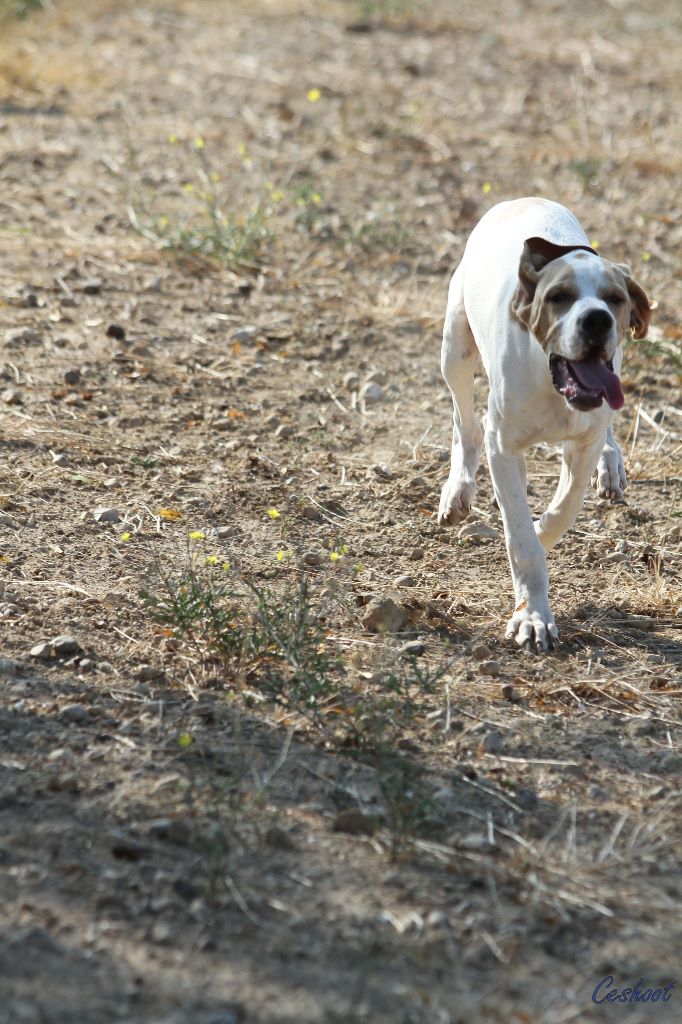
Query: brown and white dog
547, 317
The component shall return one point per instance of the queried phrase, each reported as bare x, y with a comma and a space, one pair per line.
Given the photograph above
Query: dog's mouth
585, 382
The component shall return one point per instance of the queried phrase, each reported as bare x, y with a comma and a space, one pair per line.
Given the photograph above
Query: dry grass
179, 828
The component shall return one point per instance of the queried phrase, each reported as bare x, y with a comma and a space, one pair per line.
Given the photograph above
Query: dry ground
174, 846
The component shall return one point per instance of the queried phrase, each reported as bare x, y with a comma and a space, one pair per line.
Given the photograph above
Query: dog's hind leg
459, 359
576, 469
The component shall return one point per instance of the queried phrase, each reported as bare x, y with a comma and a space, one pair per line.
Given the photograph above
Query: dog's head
579, 307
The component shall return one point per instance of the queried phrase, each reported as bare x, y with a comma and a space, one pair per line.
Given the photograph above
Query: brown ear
530, 265
640, 314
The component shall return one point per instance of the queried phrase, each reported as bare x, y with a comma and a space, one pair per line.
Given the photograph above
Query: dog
546, 315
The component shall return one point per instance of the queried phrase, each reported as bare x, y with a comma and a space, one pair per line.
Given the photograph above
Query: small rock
418, 483
312, 558
641, 727
671, 762
383, 616
245, 333
478, 532
22, 336
351, 381
111, 481
61, 459
150, 674
65, 645
416, 554
383, 470
526, 798
116, 332
406, 581
354, 822
279, 838
285, 430
614, 557
9, 667
371, 393
44, 651
107, 515
74, 714
412, 649
11, 396
86, 664
161, 932
510, 694
92, 286
311, 512
622, 546
72, 377
480, 652
492, 743
490, 668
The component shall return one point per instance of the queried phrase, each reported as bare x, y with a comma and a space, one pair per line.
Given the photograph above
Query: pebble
354, 822
285, 430
116, 332
383, 616
622, 546
44, 651
478, 532
492, 742
72, 376
86, 664
480, 652
312, 558
107, 515
92, 286
371, 393
412, 649
161, 931
641, 727
490, 668
61, 459
671, 762
22, 336
65, 645
245, 333
416, 554
406, 581
614, 557
351, 381
74, 714
279, 838
111, 481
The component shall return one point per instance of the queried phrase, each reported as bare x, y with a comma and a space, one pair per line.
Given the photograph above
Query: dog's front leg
532, 624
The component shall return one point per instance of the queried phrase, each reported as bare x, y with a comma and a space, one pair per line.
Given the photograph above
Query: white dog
547, 317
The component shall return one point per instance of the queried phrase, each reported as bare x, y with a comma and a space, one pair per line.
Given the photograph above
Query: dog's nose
596, 323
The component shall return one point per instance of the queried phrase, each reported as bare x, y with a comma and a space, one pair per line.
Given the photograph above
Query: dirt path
242, 806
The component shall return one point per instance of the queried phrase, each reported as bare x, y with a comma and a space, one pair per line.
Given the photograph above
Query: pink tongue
595, 375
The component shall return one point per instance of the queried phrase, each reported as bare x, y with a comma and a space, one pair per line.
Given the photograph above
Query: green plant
18, 8
405, 793
276, 639
201, 225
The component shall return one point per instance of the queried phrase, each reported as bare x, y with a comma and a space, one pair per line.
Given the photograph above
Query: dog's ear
531, 263
640, 314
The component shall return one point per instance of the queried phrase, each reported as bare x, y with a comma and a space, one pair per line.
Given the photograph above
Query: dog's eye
616, 299
559, 297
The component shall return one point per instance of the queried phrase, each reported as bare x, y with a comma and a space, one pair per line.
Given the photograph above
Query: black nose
596, 323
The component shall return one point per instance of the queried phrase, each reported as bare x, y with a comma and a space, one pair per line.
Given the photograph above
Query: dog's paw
609, 477
533, 629
455, 501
